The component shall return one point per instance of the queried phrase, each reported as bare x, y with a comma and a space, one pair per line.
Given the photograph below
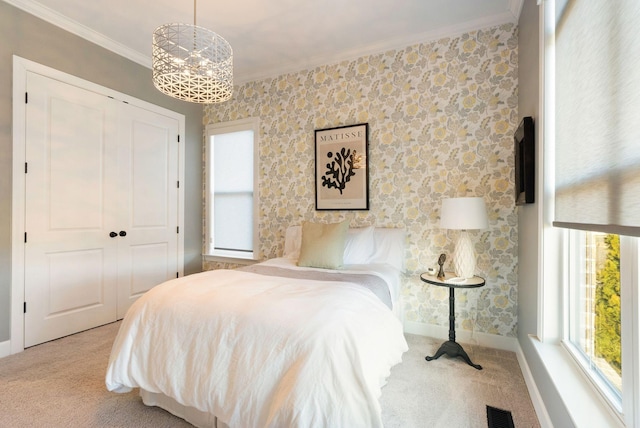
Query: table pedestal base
453, 349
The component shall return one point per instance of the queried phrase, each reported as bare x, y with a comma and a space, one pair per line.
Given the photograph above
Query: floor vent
498, 418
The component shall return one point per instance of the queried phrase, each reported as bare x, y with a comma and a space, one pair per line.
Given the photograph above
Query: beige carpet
61, 384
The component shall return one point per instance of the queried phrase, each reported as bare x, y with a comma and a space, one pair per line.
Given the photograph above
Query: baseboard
5, 348
534, 393
462, 336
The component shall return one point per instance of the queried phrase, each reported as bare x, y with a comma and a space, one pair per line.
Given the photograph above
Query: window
594, 310
602, 314
596, 189
231, 189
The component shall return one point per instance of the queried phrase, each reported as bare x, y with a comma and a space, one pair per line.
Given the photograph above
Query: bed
282, 343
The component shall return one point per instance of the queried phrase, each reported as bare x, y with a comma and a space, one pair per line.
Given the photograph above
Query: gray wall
36, 40
529, 271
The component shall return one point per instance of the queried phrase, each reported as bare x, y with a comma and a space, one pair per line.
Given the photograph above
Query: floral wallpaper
441, 118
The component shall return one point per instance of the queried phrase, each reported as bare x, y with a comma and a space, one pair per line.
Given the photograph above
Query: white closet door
71, 199
148, 162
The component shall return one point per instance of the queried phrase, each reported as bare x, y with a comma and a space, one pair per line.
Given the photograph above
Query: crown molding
74, 27
515, 7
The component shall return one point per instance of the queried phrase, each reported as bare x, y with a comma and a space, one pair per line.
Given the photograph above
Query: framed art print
342, 168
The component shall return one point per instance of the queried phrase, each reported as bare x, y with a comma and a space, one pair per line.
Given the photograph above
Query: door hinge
25, 307
26, 97
178, 184
177, 274
177, 229
25, 237
26, 167
178, 138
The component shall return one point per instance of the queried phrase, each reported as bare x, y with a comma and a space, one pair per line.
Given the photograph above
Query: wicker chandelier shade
192, 63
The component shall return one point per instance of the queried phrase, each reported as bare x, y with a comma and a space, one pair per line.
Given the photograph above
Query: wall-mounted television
525, 161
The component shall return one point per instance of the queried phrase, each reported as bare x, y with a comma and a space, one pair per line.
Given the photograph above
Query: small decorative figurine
441, 260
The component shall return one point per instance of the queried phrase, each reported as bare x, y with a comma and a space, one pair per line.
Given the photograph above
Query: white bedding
388, 273
261, 351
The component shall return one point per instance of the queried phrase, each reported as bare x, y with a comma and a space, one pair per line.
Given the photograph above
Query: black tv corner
525, 162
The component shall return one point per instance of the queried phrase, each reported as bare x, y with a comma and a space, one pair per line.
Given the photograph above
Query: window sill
584, 404
234, 258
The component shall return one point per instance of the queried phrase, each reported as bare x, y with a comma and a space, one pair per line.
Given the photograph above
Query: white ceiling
272, 37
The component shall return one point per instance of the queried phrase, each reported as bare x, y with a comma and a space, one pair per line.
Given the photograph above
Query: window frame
627, 407
614, 399
231, 256
556, 265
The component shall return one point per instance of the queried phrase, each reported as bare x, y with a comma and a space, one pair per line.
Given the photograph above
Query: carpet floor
61, 384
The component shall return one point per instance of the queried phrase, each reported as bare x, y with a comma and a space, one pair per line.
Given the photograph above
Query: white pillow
292, 242
389, 247
359, 246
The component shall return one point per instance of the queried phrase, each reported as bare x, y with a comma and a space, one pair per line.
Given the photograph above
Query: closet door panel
145, 271
149, 198
70, 192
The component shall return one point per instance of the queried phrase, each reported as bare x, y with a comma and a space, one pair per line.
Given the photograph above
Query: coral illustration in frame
342, 168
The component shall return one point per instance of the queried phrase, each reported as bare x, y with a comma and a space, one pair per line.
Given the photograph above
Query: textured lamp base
464, 257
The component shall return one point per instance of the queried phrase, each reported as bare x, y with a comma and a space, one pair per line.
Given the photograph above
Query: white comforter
260, 351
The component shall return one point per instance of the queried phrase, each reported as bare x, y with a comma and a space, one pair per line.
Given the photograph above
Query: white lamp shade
464, 213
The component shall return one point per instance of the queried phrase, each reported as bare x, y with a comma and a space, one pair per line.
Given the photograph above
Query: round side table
451, 347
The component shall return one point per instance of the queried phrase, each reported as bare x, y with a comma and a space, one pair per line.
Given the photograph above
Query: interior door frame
21, 67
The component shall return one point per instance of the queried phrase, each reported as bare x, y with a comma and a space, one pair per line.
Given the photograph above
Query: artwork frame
342, 167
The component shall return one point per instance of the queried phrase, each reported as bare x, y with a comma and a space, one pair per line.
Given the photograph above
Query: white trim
534, 392
462, 336
584, 404
607, 393
540, 179
629, 306
233, 260
5, 349
53, 17
249, 123
551, 250
515, 7
20, 68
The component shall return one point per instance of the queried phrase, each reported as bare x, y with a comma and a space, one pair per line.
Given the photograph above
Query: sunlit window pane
595, 314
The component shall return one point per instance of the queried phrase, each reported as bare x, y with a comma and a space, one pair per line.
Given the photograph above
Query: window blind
233, 191
597, 105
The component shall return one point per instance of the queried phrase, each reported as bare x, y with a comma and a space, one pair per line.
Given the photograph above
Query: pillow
359, 246
322, 245
292, 241
389, 247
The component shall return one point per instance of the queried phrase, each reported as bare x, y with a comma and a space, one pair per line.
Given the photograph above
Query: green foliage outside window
607, 306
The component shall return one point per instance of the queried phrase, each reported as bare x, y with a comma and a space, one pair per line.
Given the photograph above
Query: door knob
123, 233
113, 234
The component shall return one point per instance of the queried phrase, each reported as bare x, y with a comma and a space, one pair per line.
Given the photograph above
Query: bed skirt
192, 415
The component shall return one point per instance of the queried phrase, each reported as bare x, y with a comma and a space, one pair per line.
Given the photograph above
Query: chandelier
192, 63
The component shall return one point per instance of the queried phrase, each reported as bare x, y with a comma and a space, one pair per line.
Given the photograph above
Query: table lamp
464, 214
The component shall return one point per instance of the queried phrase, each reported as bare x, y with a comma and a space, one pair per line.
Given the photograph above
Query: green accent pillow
323, 244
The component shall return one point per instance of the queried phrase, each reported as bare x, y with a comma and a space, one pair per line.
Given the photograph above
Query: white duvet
261, 351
